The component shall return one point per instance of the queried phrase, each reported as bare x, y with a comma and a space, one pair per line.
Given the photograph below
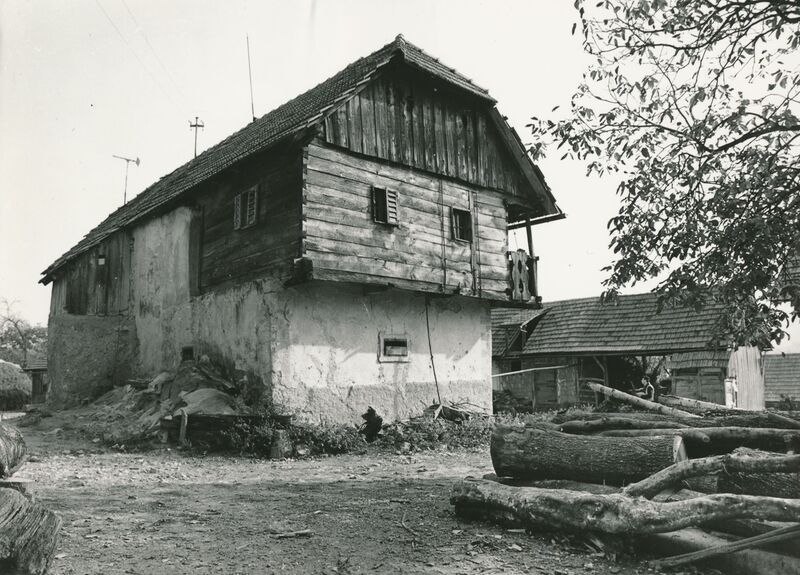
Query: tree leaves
711, 174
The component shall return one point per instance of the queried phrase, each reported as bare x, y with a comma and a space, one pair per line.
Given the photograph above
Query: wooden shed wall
746, 365
405, 118
346, 244
86, 287
227, 254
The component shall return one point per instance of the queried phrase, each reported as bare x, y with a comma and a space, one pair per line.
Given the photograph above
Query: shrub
13, 399
327, 438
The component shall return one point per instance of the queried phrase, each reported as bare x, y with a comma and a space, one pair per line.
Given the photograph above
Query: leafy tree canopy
694, 104
18, 339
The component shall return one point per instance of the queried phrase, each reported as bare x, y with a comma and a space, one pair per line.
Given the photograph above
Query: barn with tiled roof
595, 340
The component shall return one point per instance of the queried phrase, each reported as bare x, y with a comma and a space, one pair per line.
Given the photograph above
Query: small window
393, 348
384, 206
245, 208
462, 225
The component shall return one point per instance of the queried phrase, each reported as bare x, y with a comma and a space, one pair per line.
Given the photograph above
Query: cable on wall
430, 348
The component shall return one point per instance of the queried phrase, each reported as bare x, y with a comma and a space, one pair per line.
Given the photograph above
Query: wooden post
531, 263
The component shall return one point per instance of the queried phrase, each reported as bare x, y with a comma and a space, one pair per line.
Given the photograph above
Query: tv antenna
198, 125
128, 161
250, 74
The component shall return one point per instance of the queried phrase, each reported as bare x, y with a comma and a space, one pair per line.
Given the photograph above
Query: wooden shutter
237, 211
391, 207
252, 206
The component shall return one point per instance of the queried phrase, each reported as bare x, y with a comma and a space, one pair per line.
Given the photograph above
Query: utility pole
198, 124
127, 165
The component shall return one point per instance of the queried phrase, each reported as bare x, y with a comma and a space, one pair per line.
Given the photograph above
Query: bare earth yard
169, 512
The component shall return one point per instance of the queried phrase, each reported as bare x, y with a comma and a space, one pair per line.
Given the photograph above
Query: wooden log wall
87, 287
346, 244
402, 117
271, 244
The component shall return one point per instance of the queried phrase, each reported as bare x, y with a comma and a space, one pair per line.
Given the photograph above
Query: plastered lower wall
313, 348
330, 371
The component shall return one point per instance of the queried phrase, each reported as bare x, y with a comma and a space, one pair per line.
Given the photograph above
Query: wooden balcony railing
522, 277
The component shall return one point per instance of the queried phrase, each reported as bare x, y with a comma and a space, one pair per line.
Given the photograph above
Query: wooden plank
367, 122
461, 147
440, 152
429, 133
450, 141
392, 122
470, 147
405, 140
355, 132
342, 130
481, 143
378, 95
418, 128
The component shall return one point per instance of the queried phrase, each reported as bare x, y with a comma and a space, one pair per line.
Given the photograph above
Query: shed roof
692, 359
631, 325
781, 376
290, 118
35, 364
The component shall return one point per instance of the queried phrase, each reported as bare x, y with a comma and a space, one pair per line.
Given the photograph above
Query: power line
141, 31
250, 73
141, 63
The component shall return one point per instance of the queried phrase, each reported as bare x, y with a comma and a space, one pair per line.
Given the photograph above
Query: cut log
695, 405
554, 484
745, 562
580, 415
704, 441
733, 462
526, 452
28, 534
564, 510
579, 426
738, 527
638, 401
13, 451
777, 535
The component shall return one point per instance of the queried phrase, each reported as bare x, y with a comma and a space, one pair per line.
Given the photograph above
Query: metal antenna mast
127, 165
250, 73
198, 124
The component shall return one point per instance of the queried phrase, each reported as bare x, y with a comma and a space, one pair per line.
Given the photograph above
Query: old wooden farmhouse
342, 251
552, 352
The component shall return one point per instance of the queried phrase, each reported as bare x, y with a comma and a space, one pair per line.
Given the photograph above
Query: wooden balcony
522, 277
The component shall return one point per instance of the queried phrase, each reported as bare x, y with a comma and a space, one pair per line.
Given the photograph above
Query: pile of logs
666, 472
28, 530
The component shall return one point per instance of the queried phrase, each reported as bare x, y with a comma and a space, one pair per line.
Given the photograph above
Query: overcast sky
86, 79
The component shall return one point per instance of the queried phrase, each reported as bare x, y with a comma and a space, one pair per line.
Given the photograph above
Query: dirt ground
172, 512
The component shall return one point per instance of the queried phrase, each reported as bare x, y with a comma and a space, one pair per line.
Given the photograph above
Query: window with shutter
245, 209
385, 206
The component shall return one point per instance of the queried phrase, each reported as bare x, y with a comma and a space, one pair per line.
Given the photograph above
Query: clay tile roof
293, 116
632, 326
781, 376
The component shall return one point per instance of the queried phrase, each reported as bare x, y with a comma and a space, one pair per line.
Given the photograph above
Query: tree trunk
28, 535
638, 401
532, 453
608, 423
732, 463
12, 450
559, 509
701, 442
705, 406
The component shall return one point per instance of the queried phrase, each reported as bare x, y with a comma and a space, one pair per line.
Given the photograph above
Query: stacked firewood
679, 464
28, 530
